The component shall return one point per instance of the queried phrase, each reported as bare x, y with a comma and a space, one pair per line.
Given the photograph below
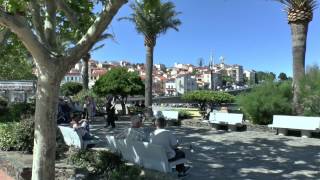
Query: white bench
168, 115
72, 138
232, 120
303, 123
147, 155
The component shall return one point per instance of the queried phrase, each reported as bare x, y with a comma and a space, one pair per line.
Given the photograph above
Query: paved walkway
240, 155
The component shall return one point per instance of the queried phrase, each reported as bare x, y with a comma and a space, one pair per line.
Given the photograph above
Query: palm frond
299, 4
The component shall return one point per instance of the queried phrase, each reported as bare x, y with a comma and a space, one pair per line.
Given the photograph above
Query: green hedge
17, 136
266, 100
15, 112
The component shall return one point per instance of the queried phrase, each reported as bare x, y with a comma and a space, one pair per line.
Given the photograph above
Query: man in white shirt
136, 132
169, 142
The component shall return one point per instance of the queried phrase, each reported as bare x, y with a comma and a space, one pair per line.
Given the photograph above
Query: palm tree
152, 18
300, 13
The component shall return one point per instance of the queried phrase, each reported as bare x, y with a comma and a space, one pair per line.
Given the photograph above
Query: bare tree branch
71, 15
19, 26
50, 23
95, 31
37, 20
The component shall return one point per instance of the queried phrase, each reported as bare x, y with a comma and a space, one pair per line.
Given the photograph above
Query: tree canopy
71, 88
205, 96
119, 82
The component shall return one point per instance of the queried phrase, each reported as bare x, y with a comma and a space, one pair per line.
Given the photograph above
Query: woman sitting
81, 126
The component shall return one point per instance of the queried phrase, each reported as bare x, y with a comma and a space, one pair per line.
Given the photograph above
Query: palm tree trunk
148, 80
85, 73
299, 38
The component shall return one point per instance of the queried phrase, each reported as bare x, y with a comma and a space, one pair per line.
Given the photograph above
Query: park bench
72, 138
304, 124
232, 120
144, 154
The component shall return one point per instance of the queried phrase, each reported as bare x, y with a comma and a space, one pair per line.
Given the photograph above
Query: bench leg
282, 132
232, 128
306, 134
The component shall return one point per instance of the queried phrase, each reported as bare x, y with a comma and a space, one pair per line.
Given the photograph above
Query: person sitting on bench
169, 142
136, 132
81, 126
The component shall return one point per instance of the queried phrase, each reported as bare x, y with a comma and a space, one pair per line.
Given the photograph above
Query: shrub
17, 111
212, 97
266, 100
17, 136
125, 172
184, 114
80, 97
102, 163
3, 102
71, 88
310, 92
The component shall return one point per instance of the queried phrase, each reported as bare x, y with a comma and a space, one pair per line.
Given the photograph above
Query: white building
170, 88
250, 75
72, 76
185, 83
213, 79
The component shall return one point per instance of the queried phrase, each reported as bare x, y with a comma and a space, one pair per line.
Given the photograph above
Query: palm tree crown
299, 11
153, 19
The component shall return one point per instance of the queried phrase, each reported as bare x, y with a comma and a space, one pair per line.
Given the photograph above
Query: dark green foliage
17, 136
103, 163
3, 104
264, 76
118, 81
310, 92
184, 114
14, 60
266, 100
70, 88
126, 173
212, 97
17, 111
282, 77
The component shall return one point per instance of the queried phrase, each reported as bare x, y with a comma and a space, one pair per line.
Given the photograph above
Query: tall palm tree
300, 13
152, 18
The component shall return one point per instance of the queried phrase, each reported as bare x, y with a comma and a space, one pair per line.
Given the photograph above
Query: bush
80, 97
266, 100
71, 88
184, 114
17, 136
17, 111
102, 163
310, 92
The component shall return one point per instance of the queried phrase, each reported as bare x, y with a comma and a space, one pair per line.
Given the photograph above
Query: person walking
111, 112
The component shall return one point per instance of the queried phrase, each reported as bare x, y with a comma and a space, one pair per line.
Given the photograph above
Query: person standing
91, 108
111, 111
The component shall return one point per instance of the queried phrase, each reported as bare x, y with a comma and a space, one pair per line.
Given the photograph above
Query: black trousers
110, 121
179, 155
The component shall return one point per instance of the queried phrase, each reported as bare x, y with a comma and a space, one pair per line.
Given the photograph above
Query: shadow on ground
240, 155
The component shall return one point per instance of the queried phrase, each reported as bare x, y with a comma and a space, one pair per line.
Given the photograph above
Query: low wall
15, 166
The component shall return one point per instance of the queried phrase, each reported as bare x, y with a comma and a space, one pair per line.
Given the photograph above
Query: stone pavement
239, 155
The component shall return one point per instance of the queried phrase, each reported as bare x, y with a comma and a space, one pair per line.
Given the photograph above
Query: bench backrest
145, 154
296, 122
168, 115
229, 118
71, 137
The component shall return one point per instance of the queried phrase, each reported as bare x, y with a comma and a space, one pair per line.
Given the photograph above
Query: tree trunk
45, 128
299, 37
85, 73
148, 80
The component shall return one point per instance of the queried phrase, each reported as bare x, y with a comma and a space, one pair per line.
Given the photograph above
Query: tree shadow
242, 155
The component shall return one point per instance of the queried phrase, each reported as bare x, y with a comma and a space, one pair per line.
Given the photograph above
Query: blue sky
252, 33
